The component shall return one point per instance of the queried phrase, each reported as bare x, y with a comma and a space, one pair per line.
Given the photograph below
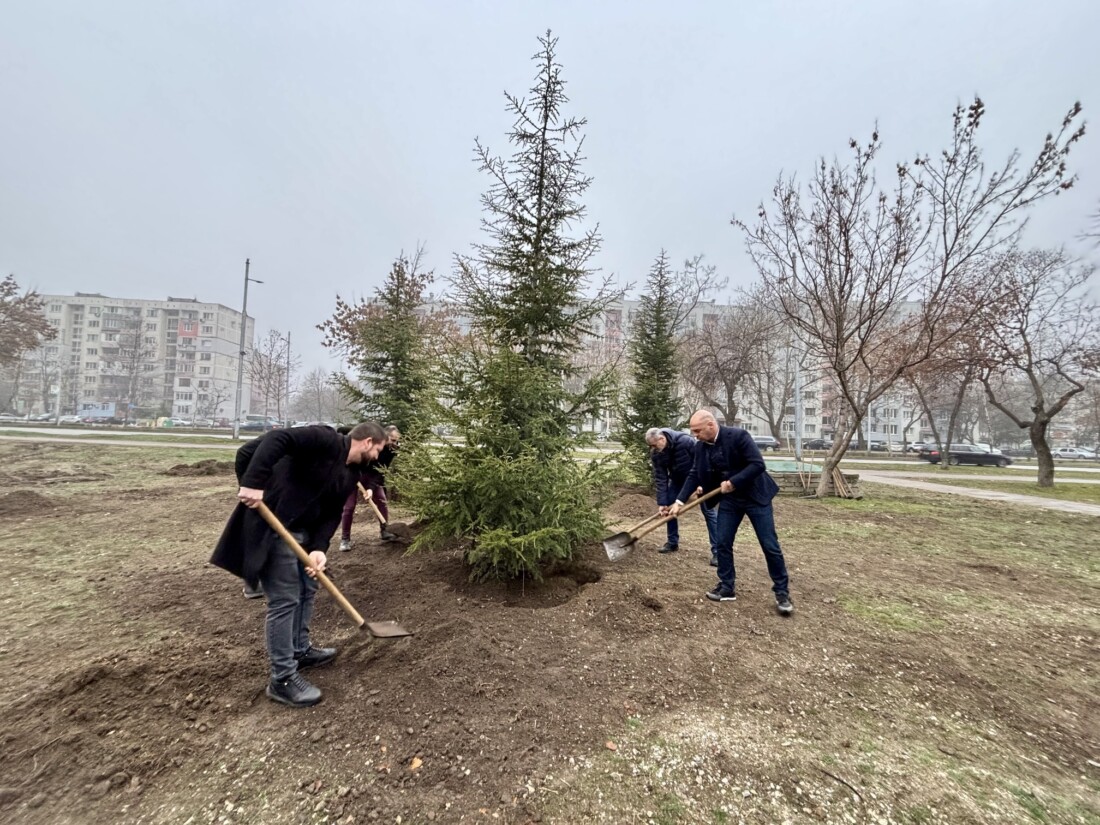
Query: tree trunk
832, 460
1038, 432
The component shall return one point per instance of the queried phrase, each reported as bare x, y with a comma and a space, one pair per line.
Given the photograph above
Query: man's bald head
704, 425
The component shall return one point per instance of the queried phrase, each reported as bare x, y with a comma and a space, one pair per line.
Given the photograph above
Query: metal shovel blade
386, 630
618, 545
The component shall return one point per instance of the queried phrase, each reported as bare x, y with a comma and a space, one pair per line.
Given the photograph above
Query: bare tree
128, 363
719, 357
268, 369
1043, 329
209, 399
319, 398
866, 276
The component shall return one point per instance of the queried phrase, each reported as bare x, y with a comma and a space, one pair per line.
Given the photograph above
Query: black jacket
672, 464
732, 457
305, 477
375, 471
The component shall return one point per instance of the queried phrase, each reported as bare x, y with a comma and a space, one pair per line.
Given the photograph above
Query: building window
150, 339
185, 382
93, 323
205, 356
204, 370
186, 326
150, 313
89, 379
150, 327
207, 330
93, 351
89, 393
55, 307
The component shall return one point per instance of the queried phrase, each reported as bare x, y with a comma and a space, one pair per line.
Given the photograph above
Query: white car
1073, 452
69, 419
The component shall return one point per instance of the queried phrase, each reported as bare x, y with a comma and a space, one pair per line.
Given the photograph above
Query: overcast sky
147, 148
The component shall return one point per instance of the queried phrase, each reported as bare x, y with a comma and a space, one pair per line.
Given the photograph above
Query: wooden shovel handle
369, 496
684, 509
303, 557
643, 521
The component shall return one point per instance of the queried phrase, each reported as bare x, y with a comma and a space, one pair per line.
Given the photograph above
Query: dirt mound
24, 503
632, 507
206, 467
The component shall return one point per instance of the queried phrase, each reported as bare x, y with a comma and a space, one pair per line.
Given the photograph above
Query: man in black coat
728, 458
303, 475
672, 455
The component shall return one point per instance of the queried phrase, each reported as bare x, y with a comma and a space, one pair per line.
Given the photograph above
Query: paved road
897, 480
122, 442
951, 475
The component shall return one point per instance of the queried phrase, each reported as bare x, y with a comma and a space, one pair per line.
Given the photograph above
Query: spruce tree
652, 400
512, 492
386, 344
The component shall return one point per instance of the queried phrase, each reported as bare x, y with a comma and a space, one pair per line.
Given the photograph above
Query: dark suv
964, 454
766, 442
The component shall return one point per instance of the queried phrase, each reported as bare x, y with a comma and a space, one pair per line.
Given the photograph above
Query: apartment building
177, 357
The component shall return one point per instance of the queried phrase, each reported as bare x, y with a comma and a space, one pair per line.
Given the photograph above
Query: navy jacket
732, 457
305, 477
672, 465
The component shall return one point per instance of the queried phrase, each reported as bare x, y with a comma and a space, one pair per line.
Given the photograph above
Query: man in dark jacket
672, 454
304, 476
728, 458
373, 478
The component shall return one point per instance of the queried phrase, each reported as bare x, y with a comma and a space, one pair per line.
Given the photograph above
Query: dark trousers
289, 593
762, 518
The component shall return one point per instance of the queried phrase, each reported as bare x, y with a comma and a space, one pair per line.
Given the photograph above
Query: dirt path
898, 480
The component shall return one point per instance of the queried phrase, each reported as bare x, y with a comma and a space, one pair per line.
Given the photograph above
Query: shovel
620, 544
369, 496
380, 630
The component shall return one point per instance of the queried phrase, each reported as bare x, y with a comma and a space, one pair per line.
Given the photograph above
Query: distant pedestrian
303, 475
672, 455
728, 459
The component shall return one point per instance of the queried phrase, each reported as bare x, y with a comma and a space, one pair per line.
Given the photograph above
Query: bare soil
941, 666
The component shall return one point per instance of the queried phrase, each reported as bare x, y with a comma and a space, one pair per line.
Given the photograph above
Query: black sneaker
295, 691
315, 657
713, 561
250, 592
721, 593
669, 548
783, 604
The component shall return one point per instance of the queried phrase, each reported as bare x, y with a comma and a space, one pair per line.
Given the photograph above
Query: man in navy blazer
672, 455
728, 458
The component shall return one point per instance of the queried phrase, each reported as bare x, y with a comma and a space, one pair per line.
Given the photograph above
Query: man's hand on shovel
317, 561
250, 497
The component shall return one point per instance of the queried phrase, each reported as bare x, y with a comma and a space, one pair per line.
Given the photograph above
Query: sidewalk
1078, 507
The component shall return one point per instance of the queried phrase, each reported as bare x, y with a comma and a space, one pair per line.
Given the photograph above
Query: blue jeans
711, 518
289, 593
730, 514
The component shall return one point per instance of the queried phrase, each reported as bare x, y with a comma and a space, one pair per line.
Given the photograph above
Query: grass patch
1030, 803
890, 614
1085, 493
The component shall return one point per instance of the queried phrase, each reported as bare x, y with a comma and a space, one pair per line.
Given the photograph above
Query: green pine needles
513, 387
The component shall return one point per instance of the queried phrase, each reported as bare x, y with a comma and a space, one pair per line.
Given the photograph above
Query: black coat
733, 457
305, 477
672, 464
375, 471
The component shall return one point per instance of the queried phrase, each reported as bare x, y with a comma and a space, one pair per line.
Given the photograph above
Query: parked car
69, 419
766, 442
964, 454
879, 447
1018, 452
818, 444
12, 417
914, 446
1077, 453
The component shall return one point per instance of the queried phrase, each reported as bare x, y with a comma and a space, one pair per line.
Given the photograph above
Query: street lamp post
241, 354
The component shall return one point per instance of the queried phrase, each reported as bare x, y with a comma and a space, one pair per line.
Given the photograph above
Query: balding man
728, 459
